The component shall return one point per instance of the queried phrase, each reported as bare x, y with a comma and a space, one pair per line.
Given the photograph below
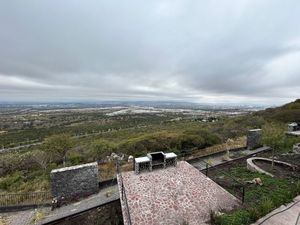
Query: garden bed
278, 170
259, 200
290, 158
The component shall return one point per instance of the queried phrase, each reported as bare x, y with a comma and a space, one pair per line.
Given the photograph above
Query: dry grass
107, 170
237, 143
37, 216
4, 220
127, 167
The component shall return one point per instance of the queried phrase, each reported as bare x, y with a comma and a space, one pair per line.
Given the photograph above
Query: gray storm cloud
214, 51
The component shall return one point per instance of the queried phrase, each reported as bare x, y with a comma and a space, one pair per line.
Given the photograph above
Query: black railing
123, 193
238, 189
23, 199
298, 218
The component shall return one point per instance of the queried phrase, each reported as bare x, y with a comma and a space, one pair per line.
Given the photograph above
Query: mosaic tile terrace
175, 195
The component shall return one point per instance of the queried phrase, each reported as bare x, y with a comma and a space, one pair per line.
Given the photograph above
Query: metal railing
23, 199
123, 194
238, 190
297, 219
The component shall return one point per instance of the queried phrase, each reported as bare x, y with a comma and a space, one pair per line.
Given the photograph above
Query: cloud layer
201, 51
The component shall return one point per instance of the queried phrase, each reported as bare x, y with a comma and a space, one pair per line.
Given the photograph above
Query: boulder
296, 148
130, 159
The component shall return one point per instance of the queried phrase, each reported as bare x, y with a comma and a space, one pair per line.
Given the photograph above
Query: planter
255, 168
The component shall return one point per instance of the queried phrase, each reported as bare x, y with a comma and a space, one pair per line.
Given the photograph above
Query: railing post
298, 218
243, 196
118, 166
123, 191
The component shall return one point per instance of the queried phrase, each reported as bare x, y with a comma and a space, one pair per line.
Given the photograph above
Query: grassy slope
286, 113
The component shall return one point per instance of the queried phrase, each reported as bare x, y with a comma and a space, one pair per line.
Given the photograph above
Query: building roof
93, 164
142, 159
255, 130
170, 155
293, 124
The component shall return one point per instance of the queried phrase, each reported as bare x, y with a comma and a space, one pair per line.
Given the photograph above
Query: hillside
287, 113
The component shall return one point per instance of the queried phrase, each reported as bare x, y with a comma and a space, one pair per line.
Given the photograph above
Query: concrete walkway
217, 159
287, 217
84, 205
17, 218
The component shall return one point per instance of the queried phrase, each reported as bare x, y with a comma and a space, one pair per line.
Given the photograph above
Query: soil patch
290, 158
278, 170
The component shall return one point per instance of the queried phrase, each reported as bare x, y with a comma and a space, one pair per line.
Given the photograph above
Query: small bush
75, 158
101, 148
240, 217
10, 181
37, 216
266, 206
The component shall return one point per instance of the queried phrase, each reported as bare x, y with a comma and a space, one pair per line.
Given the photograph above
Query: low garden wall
75, 181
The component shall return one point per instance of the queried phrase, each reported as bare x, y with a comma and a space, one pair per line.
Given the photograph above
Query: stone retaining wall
254, 138
75, 181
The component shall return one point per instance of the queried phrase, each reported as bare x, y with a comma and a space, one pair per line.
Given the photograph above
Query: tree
41, 158
101, 148
59, 145
274, 137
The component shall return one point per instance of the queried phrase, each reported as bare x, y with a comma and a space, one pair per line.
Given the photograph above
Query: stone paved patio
175, 195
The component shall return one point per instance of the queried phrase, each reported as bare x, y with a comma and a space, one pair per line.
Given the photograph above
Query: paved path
287, 217
84, 205
16, 218
217, 159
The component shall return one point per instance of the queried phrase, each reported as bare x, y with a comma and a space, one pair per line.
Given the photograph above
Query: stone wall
109, 214
254, 138
75, 181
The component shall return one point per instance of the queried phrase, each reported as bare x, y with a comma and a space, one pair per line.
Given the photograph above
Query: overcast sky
199, 51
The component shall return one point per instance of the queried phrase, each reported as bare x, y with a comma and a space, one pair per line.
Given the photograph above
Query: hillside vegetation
29, 169
286, 113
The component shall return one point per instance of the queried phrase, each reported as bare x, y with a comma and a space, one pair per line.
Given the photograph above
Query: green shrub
101, 148
240, 217
75, 158
205, 138
266, 206
260, 200
168, 141
12, 180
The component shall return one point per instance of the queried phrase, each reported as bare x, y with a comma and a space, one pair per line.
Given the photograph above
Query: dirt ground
290, 158
280, 171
